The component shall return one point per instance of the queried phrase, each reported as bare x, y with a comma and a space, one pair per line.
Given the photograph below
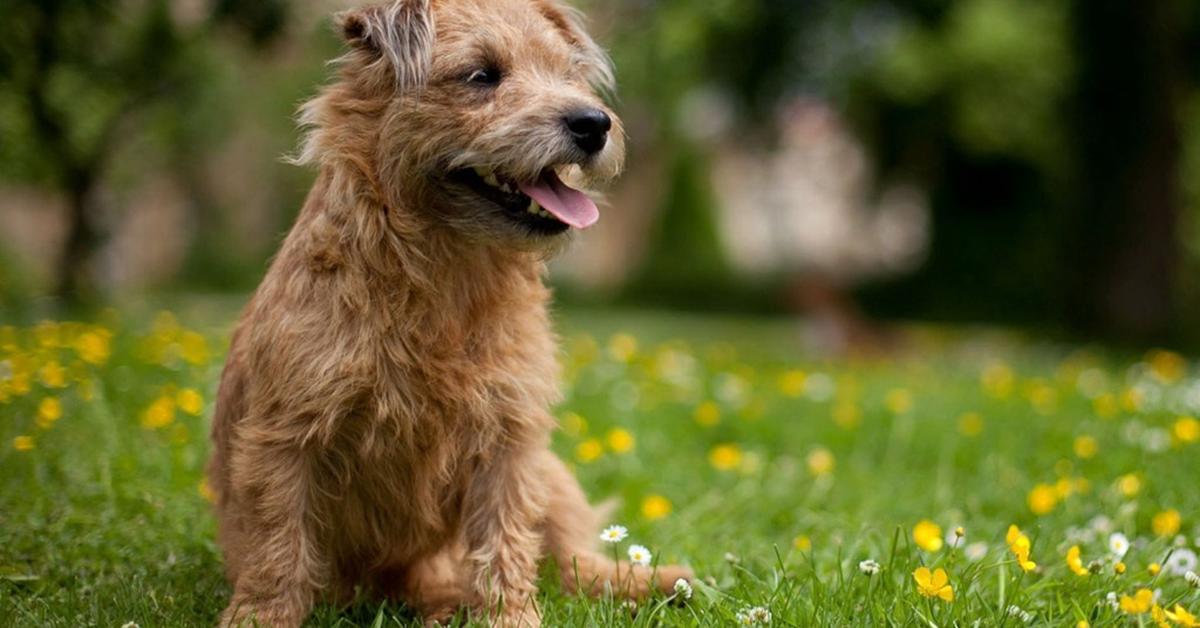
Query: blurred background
1028, 163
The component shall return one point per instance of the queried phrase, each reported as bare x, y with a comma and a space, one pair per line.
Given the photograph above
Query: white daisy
754, 616
639, 555
1193, 579
819, 387
1118, 544
1156, 440
683, 589
1111, 598
976, 551
1181, 561
869, 567
1101, 524
614, 534
1020, 613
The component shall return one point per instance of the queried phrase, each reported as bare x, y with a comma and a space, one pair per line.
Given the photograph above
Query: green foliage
686, 260
86, 79
1003, 67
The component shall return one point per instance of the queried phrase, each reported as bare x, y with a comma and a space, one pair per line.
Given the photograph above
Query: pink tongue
567, 204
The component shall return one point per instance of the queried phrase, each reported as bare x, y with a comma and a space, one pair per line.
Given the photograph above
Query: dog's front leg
504, 504
280, 572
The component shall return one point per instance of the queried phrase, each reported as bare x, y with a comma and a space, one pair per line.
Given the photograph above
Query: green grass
823, 464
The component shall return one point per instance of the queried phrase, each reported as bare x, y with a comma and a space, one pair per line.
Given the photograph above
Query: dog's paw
438, 616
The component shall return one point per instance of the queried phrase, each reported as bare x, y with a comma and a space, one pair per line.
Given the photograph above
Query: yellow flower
725, 457
622, 347
1075, 562
1019, 545
574, 424
23, 443
1154, 569
589, 450
49, 411
1182, 617
94, 347
1042, 499
1187, 429
928, 535
1167, 366
1129, 484
935, 584
1119, 568
1042, 397
1139, 603
1166, 523
791, 383
47, 334
1086, 447
619, 440
998, 380
802, 543
1159, 616
53, 375
160, 413
205, 490
970, 424
1105, 406
86, 390
820, 461
707, 414
1083, 623
655, 507
190, 401
847, 415
1131, 400
898, 401
193, 348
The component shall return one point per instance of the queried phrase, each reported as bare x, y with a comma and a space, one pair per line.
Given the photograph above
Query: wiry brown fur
383, 418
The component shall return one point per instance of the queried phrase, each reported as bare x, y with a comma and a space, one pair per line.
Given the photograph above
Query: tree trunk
1124, 245
75, 281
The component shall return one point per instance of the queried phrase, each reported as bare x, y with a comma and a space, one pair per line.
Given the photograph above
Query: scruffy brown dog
384, 416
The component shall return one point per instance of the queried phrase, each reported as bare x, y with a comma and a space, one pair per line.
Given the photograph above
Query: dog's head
487, 115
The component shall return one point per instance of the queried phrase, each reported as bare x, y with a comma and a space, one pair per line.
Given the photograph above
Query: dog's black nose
589, 128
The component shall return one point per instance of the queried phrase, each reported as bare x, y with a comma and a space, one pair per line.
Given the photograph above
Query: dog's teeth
544, 214
505, 188
534, 208
491, 180
481, 171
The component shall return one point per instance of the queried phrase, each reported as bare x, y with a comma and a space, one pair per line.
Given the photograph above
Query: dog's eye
485, 77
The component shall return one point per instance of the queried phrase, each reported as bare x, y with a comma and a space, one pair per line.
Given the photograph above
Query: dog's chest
471, 384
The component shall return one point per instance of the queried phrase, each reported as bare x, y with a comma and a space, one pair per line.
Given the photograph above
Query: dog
383, 420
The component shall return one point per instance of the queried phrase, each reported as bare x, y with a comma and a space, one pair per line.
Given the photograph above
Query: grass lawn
773, 473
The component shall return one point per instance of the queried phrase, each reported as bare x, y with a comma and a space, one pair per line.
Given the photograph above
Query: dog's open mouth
546, 205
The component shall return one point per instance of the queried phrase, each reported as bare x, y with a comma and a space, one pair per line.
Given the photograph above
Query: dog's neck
347, 230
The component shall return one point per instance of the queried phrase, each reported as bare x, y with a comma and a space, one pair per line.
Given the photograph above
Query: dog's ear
399, 34
591, 58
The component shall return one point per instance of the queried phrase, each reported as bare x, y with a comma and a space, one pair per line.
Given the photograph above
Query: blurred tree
967, 99
1123, 233
672, 51
78, 78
